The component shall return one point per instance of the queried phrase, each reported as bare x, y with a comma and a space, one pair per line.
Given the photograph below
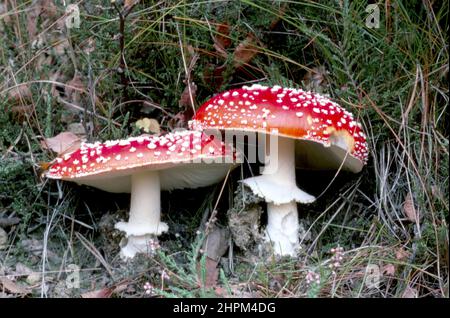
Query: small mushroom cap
327, 134
186, 159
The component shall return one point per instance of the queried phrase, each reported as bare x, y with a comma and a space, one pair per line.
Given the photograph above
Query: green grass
393, 78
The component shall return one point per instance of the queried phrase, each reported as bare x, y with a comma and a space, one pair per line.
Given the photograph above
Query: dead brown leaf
21, 92
408, 208
410, 292
211, 273
188, 96
388, 269
62, 143
41, 10
401, 254
129, 3
99, 293
22, 111
245, 51
214, 247
105, 292
49, 9
222, 40
12, 287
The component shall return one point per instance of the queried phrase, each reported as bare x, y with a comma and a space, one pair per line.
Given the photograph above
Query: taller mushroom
311, 129
144, 166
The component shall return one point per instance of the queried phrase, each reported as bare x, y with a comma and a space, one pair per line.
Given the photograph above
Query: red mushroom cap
123, 157
293, 113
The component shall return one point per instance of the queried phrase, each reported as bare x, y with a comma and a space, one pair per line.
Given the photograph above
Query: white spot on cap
132, 149
299, 114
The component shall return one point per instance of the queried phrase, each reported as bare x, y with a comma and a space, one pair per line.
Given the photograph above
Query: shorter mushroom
144, 166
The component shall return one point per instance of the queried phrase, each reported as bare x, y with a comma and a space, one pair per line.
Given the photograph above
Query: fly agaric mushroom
144, 166
310, 128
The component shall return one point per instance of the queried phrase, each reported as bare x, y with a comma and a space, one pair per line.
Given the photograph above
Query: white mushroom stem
277, 185
145, 214
282, 228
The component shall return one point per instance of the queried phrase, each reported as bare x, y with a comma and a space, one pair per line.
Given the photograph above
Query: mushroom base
145, 214
282, 228
139, 244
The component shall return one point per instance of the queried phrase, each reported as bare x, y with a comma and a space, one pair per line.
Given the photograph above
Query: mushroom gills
191, 175
315, 156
